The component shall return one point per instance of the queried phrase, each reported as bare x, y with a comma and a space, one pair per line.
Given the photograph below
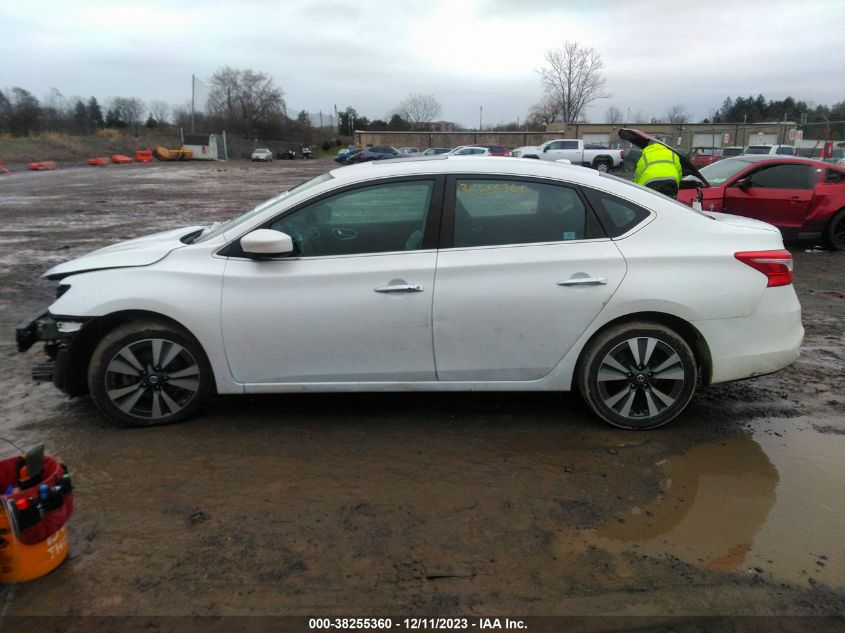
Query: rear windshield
732, 151
758, 149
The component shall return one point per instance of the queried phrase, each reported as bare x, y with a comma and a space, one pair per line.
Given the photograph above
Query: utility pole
193, 95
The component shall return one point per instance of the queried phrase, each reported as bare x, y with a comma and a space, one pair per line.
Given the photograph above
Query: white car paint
470, 150
485, 318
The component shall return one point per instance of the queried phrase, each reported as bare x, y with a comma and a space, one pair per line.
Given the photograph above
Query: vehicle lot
426, 503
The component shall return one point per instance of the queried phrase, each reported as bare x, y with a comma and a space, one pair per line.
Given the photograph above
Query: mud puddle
771, 504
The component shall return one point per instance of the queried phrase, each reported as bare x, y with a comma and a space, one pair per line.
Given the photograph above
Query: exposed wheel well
688, 332
79, 352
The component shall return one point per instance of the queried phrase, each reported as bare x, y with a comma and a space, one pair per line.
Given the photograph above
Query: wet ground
436, 504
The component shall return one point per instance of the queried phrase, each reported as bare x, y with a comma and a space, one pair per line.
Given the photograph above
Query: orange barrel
43, 165
33, 520
144, 155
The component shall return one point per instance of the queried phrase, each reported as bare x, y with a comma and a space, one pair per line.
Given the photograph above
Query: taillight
622, 154
776, 265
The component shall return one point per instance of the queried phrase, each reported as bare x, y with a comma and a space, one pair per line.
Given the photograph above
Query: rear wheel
149, 374
834, 232
637, 375
602, 166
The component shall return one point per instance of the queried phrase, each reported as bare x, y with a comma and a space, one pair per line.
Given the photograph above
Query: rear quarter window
835, 177
617, 216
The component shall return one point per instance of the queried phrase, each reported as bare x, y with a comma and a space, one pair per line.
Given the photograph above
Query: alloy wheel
641, 378
152, 379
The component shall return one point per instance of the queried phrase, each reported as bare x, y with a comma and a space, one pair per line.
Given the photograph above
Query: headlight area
57, 333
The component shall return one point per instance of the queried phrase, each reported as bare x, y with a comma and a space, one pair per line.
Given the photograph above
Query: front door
353, 303
778, 194
525, 275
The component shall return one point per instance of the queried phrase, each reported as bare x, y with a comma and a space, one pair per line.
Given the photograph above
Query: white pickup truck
573, 151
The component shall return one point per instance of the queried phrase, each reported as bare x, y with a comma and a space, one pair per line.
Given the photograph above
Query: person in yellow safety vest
660, 169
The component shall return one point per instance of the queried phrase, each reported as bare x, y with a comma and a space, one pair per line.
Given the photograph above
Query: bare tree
678, 114
573, 79
418, 108
544, 112
245, 100
129, 110
159, 111
639, 117
613, 115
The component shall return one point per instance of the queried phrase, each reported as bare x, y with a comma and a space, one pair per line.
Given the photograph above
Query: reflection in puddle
714, 500
771, 504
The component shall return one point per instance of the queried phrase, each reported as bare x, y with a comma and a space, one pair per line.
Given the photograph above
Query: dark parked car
434, 151
376, 152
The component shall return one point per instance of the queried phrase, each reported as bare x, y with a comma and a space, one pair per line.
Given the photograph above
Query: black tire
602, 166
834, 232
662, 385
156, 398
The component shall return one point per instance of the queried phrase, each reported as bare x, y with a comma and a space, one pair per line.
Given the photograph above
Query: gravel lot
423, 503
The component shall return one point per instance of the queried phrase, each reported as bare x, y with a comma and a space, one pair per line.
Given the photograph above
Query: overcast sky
468, 53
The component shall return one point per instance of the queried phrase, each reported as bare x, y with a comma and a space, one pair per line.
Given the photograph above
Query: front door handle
583, 281
400, 288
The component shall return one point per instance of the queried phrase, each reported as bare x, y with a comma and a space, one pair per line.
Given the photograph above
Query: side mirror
263, 243
743, 183
546, 148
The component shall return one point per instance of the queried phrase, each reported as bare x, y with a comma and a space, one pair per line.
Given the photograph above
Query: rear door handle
583, 281
400, 288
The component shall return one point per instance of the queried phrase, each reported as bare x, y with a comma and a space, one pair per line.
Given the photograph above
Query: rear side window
497, 212
616, 215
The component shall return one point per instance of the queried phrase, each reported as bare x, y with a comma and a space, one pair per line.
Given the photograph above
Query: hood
141, 251
641, 139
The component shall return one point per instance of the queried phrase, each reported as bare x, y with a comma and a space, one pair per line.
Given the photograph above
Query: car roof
782, 158
451, 164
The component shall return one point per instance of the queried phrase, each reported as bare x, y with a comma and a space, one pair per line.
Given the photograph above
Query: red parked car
804, 198
703, 156
496, 150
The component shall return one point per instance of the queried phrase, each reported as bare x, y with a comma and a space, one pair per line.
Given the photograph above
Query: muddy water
420, 503
743, 505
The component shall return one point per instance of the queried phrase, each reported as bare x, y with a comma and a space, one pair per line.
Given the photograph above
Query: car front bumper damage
58, 334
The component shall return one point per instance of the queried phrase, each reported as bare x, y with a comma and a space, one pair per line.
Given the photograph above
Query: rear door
780, 194
524, 268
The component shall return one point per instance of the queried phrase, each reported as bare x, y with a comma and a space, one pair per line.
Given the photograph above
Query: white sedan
450, 274
262, 155
470, 150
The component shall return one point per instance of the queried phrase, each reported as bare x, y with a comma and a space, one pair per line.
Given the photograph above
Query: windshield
717, 173
219, 229
758, 149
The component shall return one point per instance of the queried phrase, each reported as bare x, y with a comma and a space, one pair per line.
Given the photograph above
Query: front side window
496, 212
376, 219
784, 177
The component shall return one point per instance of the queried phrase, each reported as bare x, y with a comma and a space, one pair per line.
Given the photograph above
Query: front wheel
149, 374
834, 232
637, 375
